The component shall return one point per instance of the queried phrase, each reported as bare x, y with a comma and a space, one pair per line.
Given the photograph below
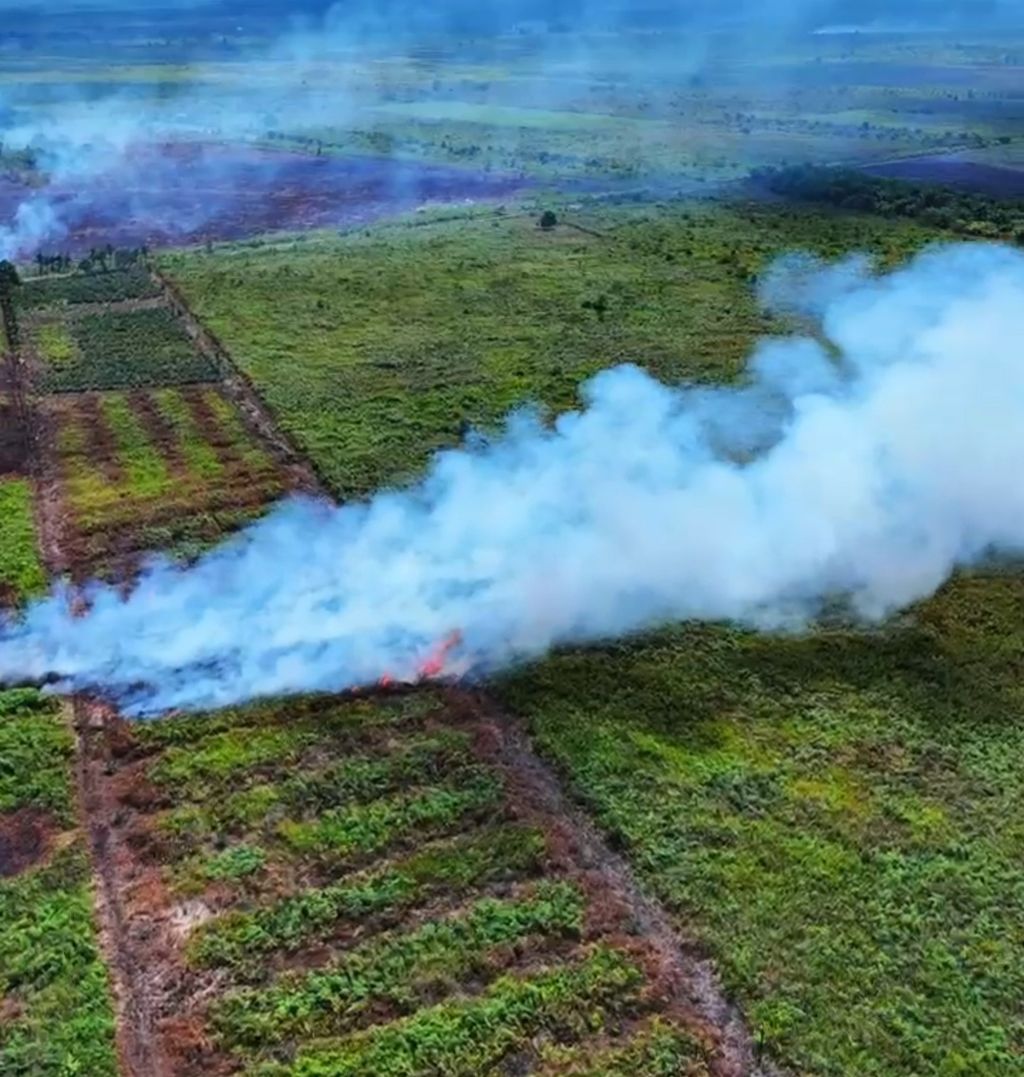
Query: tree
9, 278
548, 220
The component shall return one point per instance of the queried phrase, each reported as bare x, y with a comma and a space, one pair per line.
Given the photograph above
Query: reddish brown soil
185, 193
26, 837
13, 448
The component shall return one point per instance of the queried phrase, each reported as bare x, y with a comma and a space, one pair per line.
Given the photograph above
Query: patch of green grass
202, 459
362, 778
410, 334
241, 940
129, 349
468, 1037
850, 801
55, 345
397, 969
146, 474
53, 986
368, 828
35, 751
21, 571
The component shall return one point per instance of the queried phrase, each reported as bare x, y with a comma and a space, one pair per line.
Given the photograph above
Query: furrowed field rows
152, 469
372, 885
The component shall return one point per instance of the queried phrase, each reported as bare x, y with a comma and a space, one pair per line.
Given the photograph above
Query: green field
55, 1012
21, 574
832, 817
370, 371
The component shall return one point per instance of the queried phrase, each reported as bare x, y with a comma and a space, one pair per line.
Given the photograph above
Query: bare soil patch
186, 193
26, 838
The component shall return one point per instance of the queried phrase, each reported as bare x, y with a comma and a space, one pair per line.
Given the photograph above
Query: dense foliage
961, 212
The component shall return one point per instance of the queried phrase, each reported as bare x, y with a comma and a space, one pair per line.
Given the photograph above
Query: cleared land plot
834, 817
366, 886
55, 1012
153, 469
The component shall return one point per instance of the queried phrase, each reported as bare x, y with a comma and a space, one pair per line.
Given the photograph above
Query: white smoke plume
35, 221
867, 469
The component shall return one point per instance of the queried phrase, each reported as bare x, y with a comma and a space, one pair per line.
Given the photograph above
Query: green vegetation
35, 752
128, 349
373, 827
56, 1018
78, 288
21, 572
143, 466
467, 1037
848, 799
241, 940
55, 1013
660, 1050
398, 968
389, 369
832, 816
56, 348
965, 214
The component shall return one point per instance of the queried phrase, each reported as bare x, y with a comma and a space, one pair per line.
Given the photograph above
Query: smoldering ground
233, 72
866, 469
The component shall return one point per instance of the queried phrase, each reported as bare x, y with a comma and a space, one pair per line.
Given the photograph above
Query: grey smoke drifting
869, 469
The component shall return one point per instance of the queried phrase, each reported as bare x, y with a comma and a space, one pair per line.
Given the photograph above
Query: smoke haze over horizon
866, 472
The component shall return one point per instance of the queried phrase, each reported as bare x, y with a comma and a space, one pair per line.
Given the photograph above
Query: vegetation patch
467, 1037
55, 1010
398, 969
128, 349
75, 288
21, 571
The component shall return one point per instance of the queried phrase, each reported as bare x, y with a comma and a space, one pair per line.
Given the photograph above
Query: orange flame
434, 664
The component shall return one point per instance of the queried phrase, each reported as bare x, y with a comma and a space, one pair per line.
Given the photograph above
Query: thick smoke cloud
865, 471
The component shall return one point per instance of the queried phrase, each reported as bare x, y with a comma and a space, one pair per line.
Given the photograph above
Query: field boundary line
243, 393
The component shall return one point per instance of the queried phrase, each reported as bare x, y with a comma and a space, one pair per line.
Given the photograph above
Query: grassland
389, 370
833, 817
55, 1012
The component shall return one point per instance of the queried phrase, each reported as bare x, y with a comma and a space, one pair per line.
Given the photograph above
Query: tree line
957, 211
98, 260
